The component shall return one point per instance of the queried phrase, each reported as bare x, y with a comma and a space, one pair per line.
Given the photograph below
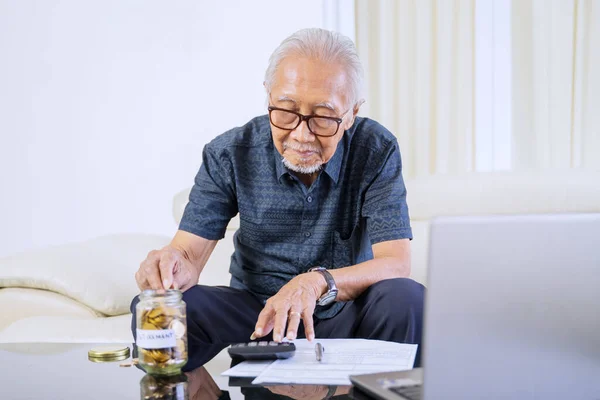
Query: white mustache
299, 147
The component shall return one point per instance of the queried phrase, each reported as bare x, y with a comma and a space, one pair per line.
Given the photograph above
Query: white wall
105, 106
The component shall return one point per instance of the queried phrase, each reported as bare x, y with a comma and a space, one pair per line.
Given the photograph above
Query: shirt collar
332, 168
280, 169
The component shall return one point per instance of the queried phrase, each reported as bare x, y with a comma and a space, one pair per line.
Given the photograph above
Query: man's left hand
294, 301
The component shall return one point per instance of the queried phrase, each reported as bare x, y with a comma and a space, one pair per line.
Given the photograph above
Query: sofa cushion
19, 303
98, 273
69, 329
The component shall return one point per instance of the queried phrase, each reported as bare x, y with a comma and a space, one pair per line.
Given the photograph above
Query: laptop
512, 312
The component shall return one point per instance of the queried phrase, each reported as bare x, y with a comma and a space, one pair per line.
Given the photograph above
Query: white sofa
81, 292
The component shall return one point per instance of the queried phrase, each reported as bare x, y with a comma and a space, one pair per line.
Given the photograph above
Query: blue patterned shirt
358, 199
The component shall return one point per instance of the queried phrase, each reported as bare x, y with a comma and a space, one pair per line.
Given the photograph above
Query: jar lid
108, 353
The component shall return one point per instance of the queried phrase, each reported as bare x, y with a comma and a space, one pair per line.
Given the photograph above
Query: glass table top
63, 371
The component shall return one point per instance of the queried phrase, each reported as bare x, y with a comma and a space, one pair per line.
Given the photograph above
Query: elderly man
323, 248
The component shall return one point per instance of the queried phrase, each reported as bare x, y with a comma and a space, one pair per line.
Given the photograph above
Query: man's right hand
165, 269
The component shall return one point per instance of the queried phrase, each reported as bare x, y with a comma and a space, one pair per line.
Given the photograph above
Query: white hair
322, 45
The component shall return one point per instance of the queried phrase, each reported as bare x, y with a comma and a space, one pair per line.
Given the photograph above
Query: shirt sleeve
384, 207
212, 202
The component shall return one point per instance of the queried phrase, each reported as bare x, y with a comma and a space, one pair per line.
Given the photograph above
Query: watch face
327, 298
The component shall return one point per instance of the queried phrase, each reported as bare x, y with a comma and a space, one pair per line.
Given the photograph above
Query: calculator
262, 350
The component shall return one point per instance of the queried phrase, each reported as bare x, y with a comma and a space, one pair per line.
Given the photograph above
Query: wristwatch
332, 290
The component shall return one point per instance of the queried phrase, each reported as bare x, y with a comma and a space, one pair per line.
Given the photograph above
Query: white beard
307, 170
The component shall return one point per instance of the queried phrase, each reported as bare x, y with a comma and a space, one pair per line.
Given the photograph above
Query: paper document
342, 358
248, 369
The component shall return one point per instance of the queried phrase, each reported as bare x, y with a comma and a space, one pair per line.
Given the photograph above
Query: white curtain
419, 58
556, 83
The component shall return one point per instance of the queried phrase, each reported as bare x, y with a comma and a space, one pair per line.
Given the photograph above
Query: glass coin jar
161, 334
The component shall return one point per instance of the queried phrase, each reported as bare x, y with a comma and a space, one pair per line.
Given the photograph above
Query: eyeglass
317, 124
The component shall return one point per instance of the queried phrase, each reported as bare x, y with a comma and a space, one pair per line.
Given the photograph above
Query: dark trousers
389, 310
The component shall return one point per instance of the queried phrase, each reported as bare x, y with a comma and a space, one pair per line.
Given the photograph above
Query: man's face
311, 88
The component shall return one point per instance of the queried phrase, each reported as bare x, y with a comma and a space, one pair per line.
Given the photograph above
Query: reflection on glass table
200, 385
63, 371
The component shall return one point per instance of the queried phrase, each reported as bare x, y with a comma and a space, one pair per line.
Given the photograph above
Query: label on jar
155, 339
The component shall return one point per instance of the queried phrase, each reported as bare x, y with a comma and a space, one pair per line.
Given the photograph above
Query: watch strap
332, 290
328, 277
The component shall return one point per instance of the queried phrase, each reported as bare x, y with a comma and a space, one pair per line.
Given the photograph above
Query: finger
264, 322
269, 326
153, 278
142, 283
166, 265
179, 282
146, 285
309, 330
280, 320
139, 280
182, 279
150, 273
293, 323
140, 277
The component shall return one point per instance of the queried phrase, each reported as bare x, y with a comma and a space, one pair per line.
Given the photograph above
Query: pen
319, 351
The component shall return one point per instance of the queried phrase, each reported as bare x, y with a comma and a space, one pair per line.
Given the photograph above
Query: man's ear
354, 113
357, 107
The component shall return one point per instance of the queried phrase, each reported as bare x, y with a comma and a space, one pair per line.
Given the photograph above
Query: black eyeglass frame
307, 118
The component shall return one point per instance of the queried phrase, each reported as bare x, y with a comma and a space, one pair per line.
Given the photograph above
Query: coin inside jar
178, 328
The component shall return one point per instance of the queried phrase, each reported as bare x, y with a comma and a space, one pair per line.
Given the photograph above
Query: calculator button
263, 343
272, 343
252, 344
